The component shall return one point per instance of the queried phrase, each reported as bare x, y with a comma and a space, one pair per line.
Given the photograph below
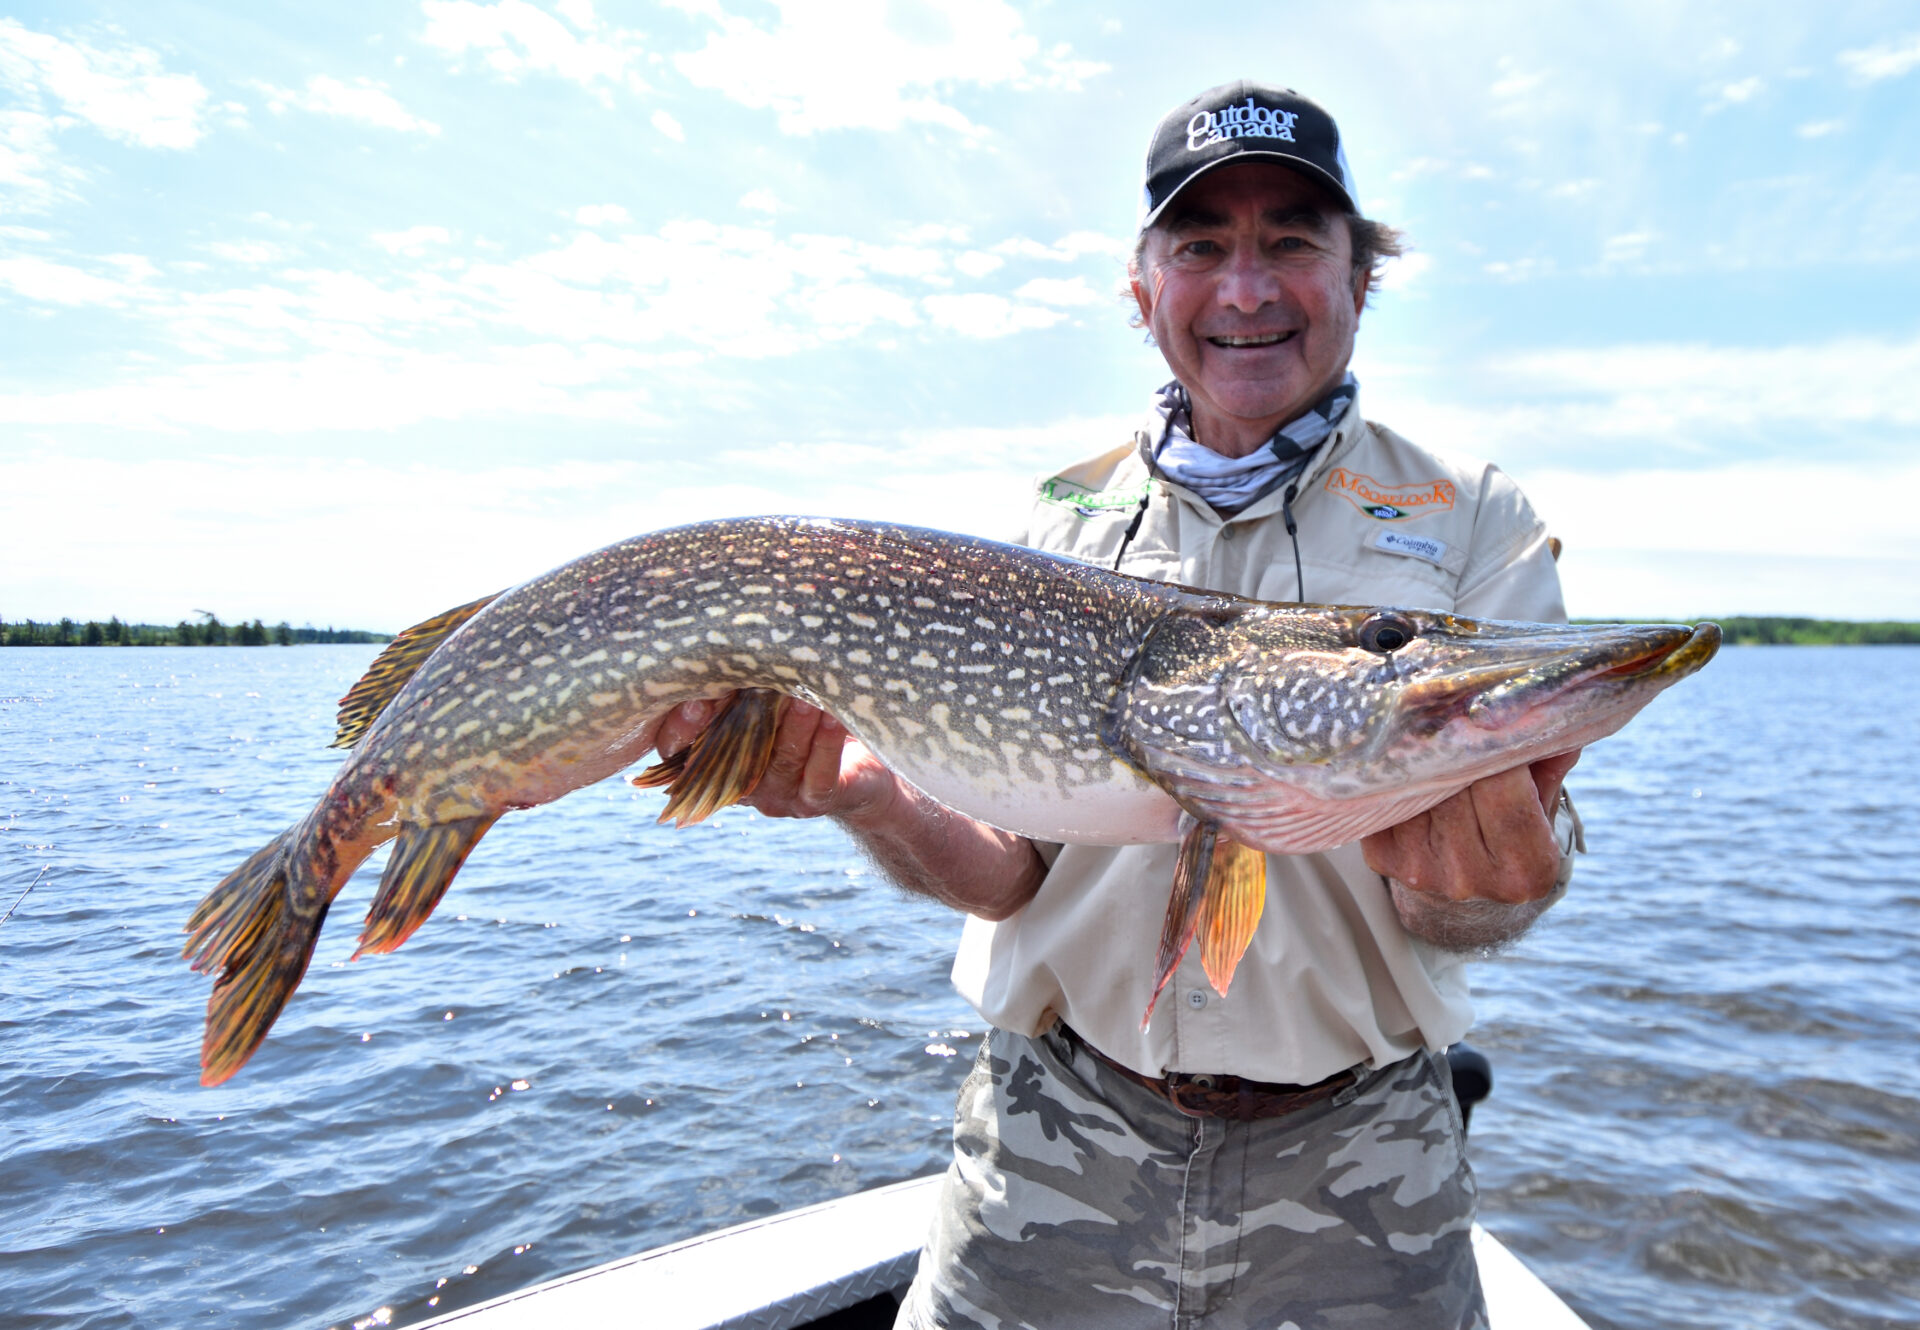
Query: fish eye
1386, 633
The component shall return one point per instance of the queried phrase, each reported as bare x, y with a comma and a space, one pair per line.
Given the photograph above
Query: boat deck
793, 1269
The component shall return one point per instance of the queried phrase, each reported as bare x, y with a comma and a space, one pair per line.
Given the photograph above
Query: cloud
980, 315
863, 64
1888, 60
248, 253
760, 200
602, 214
518, 38
1734, 93
1625, 247
1680, 406
1401, 273
1061, 292
437, 329
360, 99
412, 240
1819, 129
123, 92
47, 282
666, 124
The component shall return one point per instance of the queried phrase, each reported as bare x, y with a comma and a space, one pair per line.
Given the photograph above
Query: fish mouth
1540, 669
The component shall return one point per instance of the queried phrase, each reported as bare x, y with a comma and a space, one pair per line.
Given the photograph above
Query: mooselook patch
1391, 503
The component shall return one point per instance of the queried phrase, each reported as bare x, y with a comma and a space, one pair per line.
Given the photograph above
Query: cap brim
1298, 165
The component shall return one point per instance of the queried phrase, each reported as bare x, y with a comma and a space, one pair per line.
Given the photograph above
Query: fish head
1335, 721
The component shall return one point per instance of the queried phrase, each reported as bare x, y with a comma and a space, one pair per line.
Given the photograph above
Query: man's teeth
1265, 339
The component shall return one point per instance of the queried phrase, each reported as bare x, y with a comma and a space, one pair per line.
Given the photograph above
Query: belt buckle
1205, 1087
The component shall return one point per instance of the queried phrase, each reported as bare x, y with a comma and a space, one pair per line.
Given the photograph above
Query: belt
1206, 1095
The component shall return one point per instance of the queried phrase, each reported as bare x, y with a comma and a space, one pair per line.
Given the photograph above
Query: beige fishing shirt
1331, 979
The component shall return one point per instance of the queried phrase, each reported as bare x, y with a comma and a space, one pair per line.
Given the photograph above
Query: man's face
1247, 285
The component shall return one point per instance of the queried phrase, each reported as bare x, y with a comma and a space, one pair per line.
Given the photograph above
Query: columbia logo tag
1418, 547
1250, 121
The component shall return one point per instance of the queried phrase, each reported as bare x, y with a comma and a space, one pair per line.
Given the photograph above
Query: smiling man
1291, 1154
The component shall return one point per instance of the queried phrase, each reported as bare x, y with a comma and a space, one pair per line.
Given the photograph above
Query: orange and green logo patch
1391, 503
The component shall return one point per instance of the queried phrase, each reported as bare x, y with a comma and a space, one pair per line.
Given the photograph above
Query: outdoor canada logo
1251, 121
1391, 503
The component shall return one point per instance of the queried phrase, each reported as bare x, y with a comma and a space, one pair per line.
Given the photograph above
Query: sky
345, 314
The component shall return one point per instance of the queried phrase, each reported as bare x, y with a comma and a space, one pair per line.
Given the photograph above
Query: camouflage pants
1077, 1198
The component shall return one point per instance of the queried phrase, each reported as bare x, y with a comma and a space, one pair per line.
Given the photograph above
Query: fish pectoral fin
418, 874
1190, 884
393, 667
1235, 896
724, 764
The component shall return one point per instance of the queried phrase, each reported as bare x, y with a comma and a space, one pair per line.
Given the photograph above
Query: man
1291, 1154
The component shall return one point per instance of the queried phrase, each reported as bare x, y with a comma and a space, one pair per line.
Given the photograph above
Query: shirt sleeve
1510, 572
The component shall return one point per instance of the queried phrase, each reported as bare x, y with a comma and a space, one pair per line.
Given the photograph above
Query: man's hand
819, 770
1473, 871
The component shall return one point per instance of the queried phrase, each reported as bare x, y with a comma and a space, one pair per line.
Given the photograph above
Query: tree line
1762, 630
209, 632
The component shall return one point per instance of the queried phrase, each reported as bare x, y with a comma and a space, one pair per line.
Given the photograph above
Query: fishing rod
23, 895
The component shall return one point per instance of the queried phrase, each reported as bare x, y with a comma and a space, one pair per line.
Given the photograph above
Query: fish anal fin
418, 874
1235, 896
393, 667
1190, 884
724, 764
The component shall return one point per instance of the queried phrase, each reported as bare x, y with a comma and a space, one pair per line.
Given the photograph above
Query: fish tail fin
1190, 876
418, 874
393, 667
724, 764
250, 928
1235, 897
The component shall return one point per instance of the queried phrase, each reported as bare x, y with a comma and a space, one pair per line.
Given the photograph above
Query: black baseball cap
1243, 121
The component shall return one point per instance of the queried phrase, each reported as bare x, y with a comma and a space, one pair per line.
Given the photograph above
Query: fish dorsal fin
393, 667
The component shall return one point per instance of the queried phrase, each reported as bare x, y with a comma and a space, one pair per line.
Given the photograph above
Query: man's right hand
819, 770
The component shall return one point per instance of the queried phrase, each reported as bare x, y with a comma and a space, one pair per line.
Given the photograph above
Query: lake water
613, 1035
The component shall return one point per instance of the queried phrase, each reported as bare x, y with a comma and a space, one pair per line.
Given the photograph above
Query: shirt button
1227, 532
1196, 999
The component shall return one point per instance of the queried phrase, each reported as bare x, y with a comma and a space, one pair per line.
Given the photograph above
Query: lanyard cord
1286, 514
1133, 527
1293, 534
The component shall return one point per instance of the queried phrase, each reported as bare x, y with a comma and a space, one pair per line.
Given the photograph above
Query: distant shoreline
1769, 631
1740, 630
210, 632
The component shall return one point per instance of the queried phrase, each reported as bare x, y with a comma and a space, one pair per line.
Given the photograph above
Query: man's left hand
1493, 841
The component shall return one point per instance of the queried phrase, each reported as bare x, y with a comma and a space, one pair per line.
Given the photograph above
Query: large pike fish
1046, 697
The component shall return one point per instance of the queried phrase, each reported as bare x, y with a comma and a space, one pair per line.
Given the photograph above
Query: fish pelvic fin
1190, 877
1236, 893
251, 930
724, 764
420, 870
393, 667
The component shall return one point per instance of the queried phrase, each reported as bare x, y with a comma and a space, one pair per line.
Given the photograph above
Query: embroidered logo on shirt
1391, 503
1418, 547
1091, 503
